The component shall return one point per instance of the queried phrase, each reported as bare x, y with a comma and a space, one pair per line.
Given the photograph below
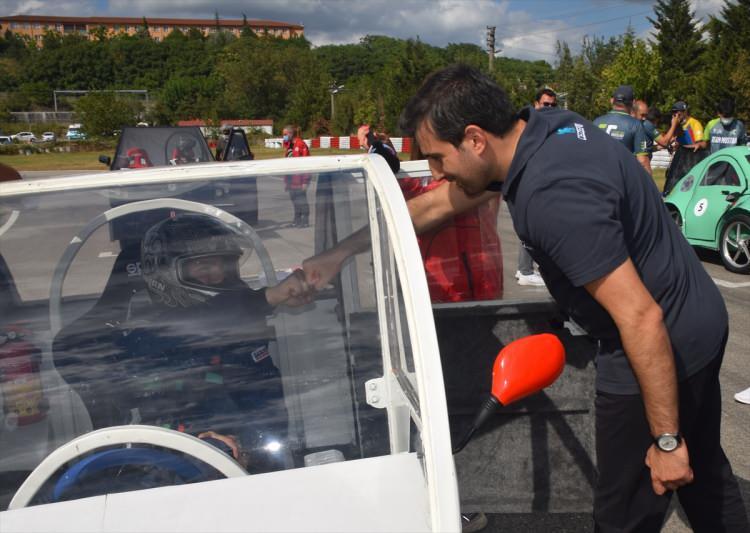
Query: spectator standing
686, 146
297, 185
221, 144
619, 125
650, 118
725, 130
462, 257
545, 98
378, 143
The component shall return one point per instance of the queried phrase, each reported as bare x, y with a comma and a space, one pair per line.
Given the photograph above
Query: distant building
34, 26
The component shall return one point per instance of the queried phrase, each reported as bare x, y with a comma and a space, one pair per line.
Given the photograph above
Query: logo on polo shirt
575, 128
580, 131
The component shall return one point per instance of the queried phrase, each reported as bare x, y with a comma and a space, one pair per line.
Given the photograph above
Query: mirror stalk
488, 409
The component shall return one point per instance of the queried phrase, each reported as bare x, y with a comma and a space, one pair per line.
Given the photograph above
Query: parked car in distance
711, 204
4, 139
75, 133
49, 136
24, 137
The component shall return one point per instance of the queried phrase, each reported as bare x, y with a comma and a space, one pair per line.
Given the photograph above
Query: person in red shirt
296, 185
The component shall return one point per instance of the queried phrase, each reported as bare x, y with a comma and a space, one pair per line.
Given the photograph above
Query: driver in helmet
197, 358
209, 328
183, 153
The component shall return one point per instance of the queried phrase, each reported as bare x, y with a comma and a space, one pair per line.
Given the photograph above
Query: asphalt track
735, 376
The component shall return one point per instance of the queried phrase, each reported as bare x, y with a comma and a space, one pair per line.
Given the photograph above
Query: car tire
734, 246
674, 213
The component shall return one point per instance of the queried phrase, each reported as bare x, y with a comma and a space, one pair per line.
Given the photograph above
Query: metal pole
491, 45
333, 108
54, 96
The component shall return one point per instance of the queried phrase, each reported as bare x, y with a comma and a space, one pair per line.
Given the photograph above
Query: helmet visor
210, 271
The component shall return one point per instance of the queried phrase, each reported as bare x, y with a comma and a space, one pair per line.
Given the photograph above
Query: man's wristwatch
668, 442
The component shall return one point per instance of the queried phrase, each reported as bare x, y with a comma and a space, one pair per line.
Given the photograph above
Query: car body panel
701, 196
406, 482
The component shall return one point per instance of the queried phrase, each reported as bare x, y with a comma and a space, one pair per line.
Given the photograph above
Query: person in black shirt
612, 258
378, 143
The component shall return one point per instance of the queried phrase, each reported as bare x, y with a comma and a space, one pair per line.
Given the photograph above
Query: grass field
90, 160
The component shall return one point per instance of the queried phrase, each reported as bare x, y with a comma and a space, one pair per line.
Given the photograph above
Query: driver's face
208, 270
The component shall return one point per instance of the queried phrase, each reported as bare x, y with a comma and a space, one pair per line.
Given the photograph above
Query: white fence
661, 159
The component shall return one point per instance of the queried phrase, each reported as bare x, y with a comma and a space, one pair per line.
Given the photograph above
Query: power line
585, 12
565, 30
529, 50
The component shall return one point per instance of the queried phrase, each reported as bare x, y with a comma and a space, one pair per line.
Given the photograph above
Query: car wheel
735, 245
676, 216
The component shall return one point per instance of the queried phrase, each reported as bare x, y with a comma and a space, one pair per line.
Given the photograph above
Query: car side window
721, 173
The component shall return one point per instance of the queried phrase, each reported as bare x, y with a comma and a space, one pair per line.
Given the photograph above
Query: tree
679, 43
103, 113
636, 65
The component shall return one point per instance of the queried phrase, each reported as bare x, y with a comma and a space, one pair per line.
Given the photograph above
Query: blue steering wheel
181, 466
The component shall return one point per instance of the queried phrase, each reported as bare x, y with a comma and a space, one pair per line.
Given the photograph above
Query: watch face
667, 443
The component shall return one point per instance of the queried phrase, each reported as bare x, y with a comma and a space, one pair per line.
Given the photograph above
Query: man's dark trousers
624, 498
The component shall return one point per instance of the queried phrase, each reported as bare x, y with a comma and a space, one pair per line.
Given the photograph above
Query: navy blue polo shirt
624, 128
582, 205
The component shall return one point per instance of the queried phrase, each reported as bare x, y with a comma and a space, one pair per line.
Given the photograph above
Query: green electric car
711, 204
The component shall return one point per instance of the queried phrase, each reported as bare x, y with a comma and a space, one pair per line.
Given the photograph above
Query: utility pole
491, 44
334, 88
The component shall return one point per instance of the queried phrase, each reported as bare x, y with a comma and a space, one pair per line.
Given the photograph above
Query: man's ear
475, 138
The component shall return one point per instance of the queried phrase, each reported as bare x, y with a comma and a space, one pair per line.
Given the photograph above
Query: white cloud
520, 31
46, 7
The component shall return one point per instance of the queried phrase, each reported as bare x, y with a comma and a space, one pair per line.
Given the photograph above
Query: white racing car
132, 401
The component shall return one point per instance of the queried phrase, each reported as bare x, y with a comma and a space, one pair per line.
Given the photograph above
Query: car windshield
150, 147
146, 304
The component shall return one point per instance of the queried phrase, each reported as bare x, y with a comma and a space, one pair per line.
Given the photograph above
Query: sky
526, 29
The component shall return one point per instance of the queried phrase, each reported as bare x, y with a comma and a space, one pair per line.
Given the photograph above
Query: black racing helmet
189, 258
185, 142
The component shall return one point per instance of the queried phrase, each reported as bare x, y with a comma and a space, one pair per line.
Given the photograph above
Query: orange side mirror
526, 366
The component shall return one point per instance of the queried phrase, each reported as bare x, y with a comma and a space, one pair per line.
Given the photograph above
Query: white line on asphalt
11, 220
731, 284
106, 254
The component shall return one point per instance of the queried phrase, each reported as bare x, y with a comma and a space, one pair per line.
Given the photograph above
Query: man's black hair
455, 97
545, 90
725, 107
653, 115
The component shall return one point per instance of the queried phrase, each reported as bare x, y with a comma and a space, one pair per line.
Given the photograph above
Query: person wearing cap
725, 130
619, 125
687, 145
617, 264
